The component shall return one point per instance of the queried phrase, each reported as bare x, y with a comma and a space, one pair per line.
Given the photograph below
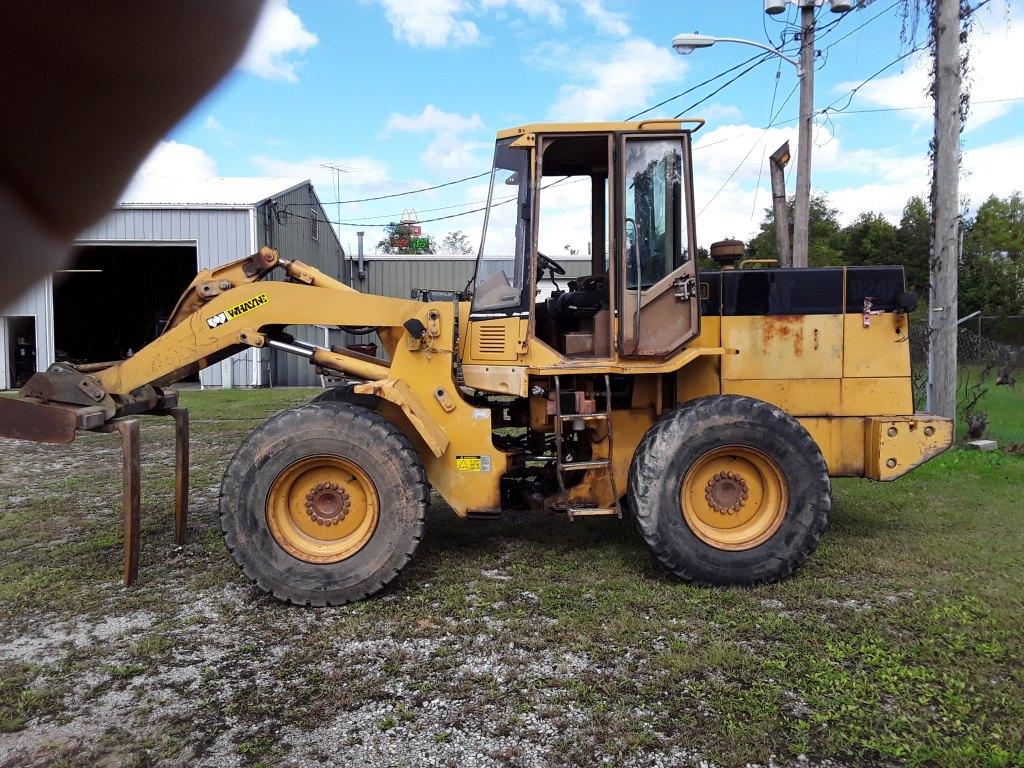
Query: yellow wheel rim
734, 497
322, 509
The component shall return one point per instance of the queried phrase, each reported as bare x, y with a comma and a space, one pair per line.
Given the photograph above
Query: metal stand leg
180, 473
129, 431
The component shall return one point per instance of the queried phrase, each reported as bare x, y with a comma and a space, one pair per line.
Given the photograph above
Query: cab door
658, 302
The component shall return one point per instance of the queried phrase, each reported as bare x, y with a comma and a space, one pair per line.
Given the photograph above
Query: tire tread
381, 432
672, 430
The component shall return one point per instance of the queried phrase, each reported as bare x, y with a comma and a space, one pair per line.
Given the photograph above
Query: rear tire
323, 504
729, 490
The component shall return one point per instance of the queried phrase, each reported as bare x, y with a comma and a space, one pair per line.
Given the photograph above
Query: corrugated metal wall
399, 275
225, 234
284, 223
37, 303
221, 235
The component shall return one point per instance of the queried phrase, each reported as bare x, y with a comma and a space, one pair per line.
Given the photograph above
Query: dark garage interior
114, 299
21, 342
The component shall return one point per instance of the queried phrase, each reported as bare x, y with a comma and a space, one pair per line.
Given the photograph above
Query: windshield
500, 262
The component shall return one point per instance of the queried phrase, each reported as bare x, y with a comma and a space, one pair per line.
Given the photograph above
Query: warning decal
472, 463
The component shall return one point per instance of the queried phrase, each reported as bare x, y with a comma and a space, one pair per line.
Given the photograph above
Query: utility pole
777, 165
942, 295
802, 209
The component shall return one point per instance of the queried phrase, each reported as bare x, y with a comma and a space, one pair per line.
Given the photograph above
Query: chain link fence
986, 345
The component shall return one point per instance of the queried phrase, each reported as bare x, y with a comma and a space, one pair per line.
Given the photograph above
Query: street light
687, 44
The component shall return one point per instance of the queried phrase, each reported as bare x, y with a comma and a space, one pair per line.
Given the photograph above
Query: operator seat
584, 299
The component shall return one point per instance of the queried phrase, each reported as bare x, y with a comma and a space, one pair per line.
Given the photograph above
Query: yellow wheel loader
711, 407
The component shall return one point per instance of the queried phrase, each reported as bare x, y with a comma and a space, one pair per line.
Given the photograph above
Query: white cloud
215, 126
546, 9
982, 173
363, 176
167, 164
448, 151
608, 22
455, 156
174, 159
433, 120
716, 113
431, 23
732, 181
994, 59
361, 173
610, 86
445, 23
279, 35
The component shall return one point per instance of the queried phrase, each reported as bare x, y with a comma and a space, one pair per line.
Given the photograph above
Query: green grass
899, 643
243, 403
1002, 404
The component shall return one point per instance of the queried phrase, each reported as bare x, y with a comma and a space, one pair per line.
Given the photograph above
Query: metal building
396, 275
130, 268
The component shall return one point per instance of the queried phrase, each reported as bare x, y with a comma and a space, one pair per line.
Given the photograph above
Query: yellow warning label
468, 464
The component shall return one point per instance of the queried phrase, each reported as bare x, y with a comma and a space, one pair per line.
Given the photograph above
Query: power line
860, 26
502, 201
853, 91
410, 192
922, 106
771, 113
760, 60
771, 123
695, 87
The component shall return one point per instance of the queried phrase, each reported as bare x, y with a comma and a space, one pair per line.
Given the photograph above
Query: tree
992, 262
826, 236
914, 243
870, 240
456, 244
404, 238
992, 283
998, 228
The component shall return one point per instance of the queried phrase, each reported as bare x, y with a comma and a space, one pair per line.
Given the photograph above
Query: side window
655, 244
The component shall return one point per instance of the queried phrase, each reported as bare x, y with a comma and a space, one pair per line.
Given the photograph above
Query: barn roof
213, 192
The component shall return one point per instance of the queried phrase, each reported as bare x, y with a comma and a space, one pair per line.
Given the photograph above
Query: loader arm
226, 310
222, 312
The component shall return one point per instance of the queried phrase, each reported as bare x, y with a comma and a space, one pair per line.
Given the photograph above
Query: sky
403, 95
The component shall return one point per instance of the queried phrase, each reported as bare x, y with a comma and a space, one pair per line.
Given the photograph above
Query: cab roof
659, 124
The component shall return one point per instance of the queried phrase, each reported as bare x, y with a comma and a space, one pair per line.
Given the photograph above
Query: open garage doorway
21, 349
114, 299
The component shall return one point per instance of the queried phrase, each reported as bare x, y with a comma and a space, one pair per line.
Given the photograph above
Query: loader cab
625, 188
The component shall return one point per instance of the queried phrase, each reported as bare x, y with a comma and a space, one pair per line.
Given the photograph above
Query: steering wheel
544, 262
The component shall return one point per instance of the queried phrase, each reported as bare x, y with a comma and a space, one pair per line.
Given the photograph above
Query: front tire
729, 490
323, 504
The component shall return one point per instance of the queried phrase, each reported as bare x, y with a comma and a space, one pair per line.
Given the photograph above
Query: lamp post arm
763, 47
